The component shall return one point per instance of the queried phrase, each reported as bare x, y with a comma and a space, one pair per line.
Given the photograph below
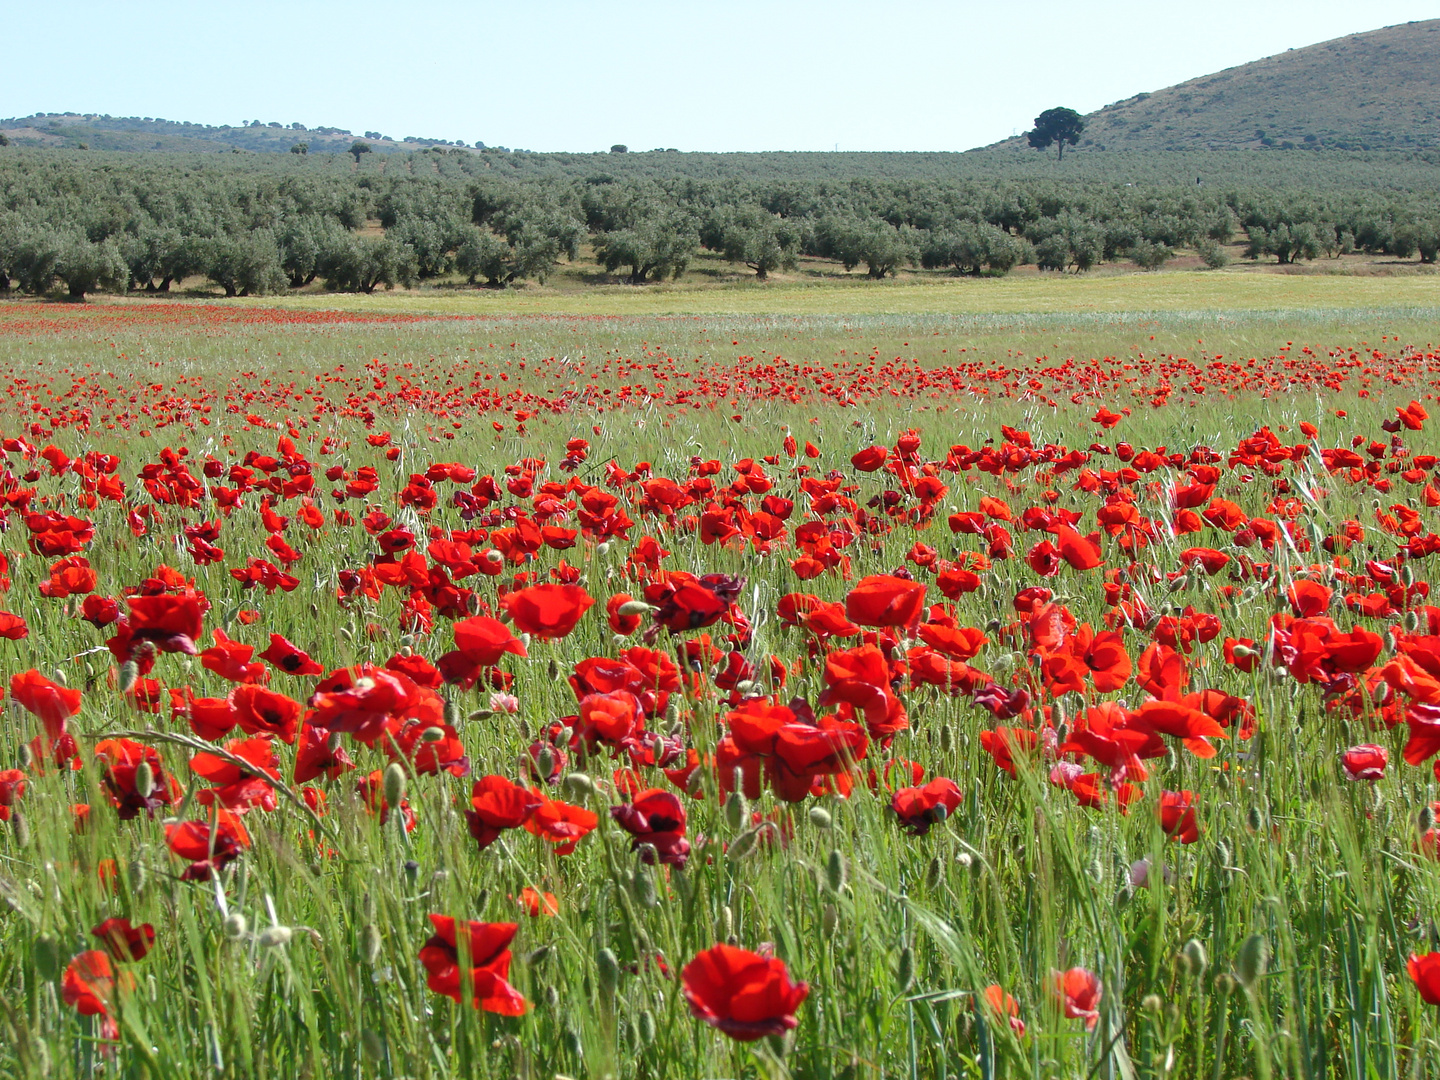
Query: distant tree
247, 264
84, 266
303, 149
971, 248
306, 244
364, 263
1149, 255
1213, 255
1056, 127
357, 148
4, 139
761, 241
657, 247
619, 148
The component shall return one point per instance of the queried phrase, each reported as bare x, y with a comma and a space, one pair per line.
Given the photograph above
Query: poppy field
395, 695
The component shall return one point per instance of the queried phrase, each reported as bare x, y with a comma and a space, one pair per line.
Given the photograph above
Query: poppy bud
829, 920
136, 876
580, 785
272, 937
545, 761
1426, 820
725, 924
373, 1043
346, 633
1151, 1003
1254, 819
48, 961
552, 996
905, 971
1407, 575
539, 956
820, 817
672, 713
642, 885
645, 1026
452, 714
553, 670
747, 688
432, 735
493, 557
1194, 953
735, 810
480, 898
947, 738
393, 786
370, 943
367, 907
144, 780
21, 828
409, 867
1096, 870
571, 1038
1222, 853
1412, 622
602, 548
835, 871
608, 972
634, 607
743, 845
24, 758
235, 926
1253, 958
129, 673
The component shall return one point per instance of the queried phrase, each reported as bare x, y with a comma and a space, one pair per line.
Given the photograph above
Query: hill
103, 132
1374, 91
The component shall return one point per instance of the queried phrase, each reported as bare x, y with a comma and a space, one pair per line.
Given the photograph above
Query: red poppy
870, 459
260, 711
171, 623
1004, 1006
537, 903
561, 824
1177, 816
12, 627
208, 848
548, 611
918, 808
657, 818
486, 960
1424, 968
620, 623
1365, 762
483, 640
744, 994
499, 804
89, 985
1079, 991
52, 703
360, 701
288, 658
885, 600
122, 760
99, 611
319, 754
123, 941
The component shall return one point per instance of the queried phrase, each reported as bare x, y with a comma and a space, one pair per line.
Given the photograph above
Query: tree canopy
1057, 127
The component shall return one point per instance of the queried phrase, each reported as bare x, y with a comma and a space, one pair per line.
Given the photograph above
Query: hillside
1374, 91
102, 132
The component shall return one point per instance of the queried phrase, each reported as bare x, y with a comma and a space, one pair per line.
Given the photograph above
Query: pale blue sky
569, 75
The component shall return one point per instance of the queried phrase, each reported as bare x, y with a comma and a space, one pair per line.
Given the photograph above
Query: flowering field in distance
392, 694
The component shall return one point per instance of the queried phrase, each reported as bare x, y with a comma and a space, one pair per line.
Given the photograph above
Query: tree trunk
77, 293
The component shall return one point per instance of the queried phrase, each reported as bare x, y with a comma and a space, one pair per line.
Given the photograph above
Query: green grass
1018, 883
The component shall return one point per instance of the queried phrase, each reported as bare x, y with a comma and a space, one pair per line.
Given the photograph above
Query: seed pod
607, 971
48, 958
394, 784
1194, 953
835, 871
905, 971
820, 818
144, 780
645, 1026
370, 943
235, 926
274, 936
1252, 960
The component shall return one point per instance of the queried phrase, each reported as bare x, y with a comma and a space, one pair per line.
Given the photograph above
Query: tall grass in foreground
1273, 946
